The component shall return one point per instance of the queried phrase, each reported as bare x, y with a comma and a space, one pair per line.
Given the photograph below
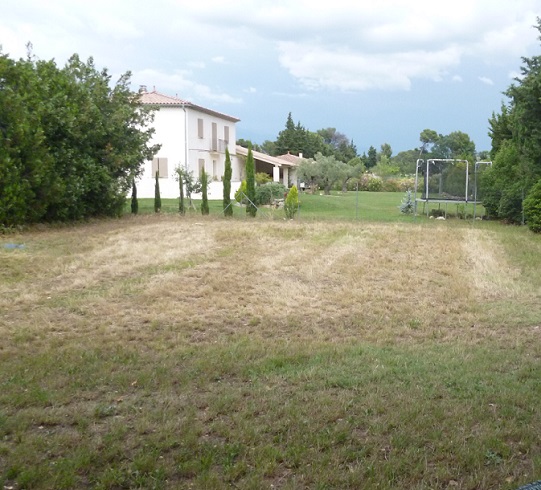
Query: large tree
516, 144
296, 139
71, 141
322, 171
372, 158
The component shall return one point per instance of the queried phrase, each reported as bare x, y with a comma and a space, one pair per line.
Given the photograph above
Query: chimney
300, 154
143, 89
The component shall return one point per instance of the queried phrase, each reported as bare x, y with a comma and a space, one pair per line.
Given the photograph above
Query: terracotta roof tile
291, 158
156, 98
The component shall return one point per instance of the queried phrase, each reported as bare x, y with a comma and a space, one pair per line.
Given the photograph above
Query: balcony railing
218, 146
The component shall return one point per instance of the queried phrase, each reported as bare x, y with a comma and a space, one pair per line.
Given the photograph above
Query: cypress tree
250, 183
228, 208
157, 198
204, 186
134, 202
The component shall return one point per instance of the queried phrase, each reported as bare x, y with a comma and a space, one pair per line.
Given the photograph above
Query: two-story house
191, 137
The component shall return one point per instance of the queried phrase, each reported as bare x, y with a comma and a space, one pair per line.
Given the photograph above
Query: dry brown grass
206, 281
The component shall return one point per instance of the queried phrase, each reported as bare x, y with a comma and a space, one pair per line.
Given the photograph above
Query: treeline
71, 143
331, 160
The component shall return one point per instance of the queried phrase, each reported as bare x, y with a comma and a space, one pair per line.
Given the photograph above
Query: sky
378, 72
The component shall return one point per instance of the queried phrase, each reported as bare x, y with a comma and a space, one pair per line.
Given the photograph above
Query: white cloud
318, 67
457, 79
344, 45
180, 83
290, 95
200, 65
486, 80
250, 90
351, 45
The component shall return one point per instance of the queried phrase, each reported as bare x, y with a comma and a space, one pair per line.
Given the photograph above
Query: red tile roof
291, 158
155, 98
158, 99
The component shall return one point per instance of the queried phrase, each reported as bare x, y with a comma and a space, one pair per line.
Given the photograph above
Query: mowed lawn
160, 351
354, 206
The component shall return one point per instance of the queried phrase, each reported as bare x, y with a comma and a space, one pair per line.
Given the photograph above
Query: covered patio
281, 169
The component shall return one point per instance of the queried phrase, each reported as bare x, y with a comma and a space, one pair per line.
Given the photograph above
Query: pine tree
407, 205
250, 184
157, 198
204, 187
134, 202
228, 208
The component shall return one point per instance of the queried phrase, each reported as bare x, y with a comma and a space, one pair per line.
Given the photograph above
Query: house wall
206, 147
169, 133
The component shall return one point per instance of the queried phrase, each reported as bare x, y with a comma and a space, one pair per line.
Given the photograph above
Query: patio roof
277, 161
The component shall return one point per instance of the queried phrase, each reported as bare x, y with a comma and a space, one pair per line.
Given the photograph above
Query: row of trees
71, 143
337, 163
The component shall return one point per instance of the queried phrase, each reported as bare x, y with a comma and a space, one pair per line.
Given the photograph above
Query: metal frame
421, 163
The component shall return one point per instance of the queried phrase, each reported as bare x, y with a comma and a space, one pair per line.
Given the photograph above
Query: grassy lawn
368, 206
159, 351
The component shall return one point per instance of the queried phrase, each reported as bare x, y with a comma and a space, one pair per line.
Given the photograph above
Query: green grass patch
368, 206
248, 415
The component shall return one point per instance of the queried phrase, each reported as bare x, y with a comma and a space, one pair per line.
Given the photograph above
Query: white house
191, 137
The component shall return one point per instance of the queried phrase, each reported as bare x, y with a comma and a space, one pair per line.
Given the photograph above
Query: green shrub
240, 194
532, 208
406, 183
371, 183
391, 185
291, 204
265, 194
262, 178
204, 197
407, 205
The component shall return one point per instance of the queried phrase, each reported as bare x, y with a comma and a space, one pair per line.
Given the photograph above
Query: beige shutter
214, 137
160, 165
200, 133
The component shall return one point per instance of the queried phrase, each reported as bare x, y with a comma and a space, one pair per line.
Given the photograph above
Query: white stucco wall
171, 133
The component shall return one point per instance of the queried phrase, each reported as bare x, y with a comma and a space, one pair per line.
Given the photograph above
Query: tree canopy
71, 143
516, 146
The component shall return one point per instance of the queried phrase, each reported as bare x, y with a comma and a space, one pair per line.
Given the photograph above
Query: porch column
276, 174
286, 176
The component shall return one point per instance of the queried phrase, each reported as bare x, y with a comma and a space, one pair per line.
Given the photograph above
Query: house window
214, 170
201, 165
200, 133
160, 165
226, 134
214, 137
